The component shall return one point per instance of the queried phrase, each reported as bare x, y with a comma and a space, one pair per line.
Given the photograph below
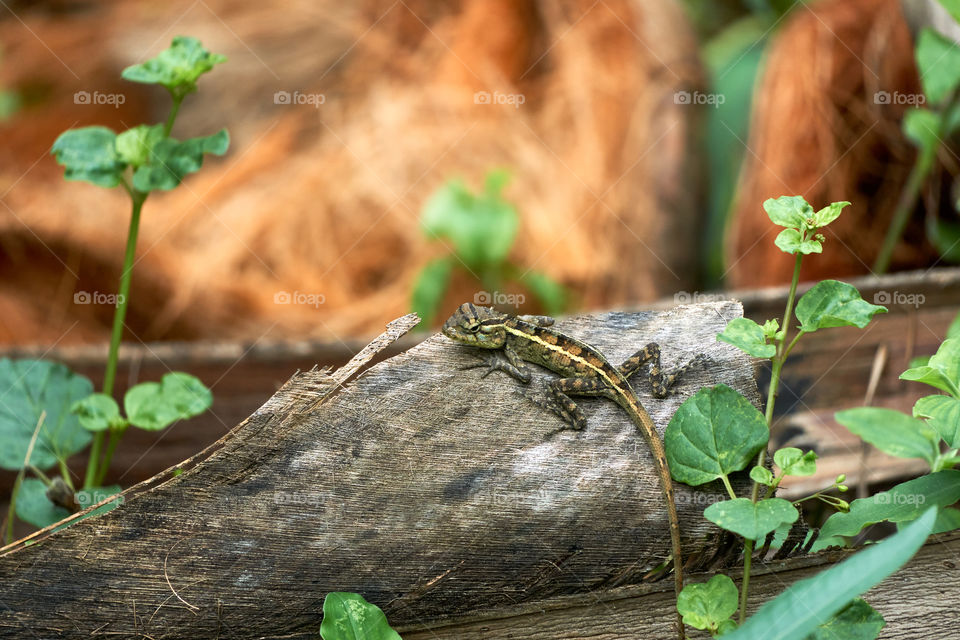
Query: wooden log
430, 490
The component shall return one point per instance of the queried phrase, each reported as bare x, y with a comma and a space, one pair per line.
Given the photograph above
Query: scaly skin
585, 372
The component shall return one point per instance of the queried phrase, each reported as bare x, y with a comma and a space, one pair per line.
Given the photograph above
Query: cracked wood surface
430, 490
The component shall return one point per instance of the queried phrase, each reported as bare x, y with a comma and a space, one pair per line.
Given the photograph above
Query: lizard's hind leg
660, 381
568, 410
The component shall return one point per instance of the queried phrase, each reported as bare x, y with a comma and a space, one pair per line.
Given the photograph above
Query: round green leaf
794, 462
857, 621
154, 406
828, 214
761, 475
176, 68
27, 389
97, 412
892, 432
748, 336
943, 414
89, 154
831, 303
713, 433
171, 160
707, 604
938, 60
751, 520
347, 616
788, 211
134, 145
34, 507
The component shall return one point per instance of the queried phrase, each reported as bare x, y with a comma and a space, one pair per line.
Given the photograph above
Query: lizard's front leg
514, 366
660, 381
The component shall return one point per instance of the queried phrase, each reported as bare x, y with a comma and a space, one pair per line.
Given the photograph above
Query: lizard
586, 372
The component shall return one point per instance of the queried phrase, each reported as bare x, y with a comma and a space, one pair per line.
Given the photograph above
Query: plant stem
911, 190
745, 586
119, 314
115, 435
177, 99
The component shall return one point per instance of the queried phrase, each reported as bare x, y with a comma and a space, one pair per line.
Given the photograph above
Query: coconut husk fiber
819, 131
324, 201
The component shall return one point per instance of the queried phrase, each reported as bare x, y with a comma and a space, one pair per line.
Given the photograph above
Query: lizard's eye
473, 328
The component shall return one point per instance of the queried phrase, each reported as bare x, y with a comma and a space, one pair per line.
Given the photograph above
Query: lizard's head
476, 326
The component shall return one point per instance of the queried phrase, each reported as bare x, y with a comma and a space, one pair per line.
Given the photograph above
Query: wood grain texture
431, 491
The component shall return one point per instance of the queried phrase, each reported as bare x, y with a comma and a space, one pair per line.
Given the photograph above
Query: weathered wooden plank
432, 491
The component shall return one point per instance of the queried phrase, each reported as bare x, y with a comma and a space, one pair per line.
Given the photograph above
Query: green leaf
828, 214
894, 433
481, 227
707, 604
347, 616
176, 68
953, 331
794, 462
713, 433
154, 406
831, 303
751, 520
171, 160
945, 364
550, 293
770, 328
938, 60
97, 412
748, 336
947, 520
920, 126
790, 241
89, 154
902, 503
943, 414
34, 507
807, 604
134, 145
430, 288
28, 388
788, 211
857, 621
761, 475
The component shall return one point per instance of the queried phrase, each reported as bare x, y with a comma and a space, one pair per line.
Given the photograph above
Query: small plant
928, 127
481, 229
347, 616
717, 432
50, 413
